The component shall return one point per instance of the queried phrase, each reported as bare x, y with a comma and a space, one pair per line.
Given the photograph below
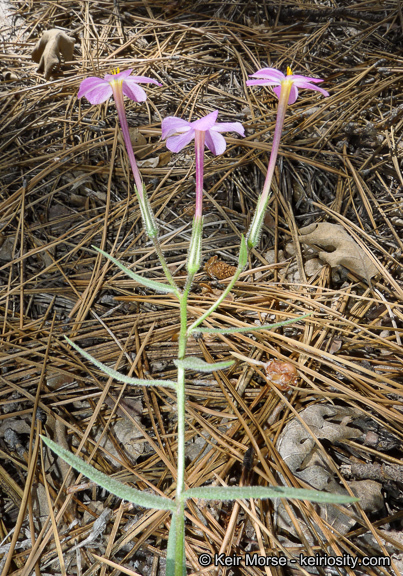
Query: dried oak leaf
299, 450
48, 50
339, 249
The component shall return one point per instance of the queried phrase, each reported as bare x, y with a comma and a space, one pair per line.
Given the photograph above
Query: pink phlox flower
180, 133
98, 90
273, 77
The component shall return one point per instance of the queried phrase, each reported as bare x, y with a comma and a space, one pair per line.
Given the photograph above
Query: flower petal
171, 125
263, 82
133, 91
293, 93
88, 84
119, 76
96, 90
215, 142
229, 127
176, 143
309, 86
145, 79
206, 122
305, 78
269, 74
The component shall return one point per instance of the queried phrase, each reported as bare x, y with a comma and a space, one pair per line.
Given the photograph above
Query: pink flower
286, 89
98, 90
205, 131
186, 132
273, 77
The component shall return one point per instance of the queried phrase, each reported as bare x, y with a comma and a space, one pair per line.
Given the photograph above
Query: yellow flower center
117, 71
289, 71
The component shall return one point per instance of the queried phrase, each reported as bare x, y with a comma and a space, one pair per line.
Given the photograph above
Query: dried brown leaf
164, 159
48, 50
139, 143
339, 249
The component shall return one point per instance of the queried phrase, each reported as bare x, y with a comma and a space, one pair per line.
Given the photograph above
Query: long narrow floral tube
286, 89
205, 132
98, 90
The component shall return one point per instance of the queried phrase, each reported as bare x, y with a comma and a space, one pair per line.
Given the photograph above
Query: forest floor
331, 246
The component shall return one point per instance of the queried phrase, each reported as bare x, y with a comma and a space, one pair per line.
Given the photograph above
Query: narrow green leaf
240, 492
152, 284
117, 375
249, 328
117, 488
243, 253
199, 365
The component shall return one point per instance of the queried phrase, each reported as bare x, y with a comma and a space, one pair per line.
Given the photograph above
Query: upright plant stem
180, 401
192, 266
180, 557
217, 302
180, 481
163, 262
181, 387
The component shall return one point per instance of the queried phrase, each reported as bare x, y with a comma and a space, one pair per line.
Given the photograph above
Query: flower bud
147, 214
255, 229
194, 255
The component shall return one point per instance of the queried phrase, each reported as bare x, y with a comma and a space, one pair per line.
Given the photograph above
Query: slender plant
205, 132
286, 90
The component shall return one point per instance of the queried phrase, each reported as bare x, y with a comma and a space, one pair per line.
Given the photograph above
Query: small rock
270, 256
290, 249
7, 248
293, 275
313, 266
128, 437
194, 449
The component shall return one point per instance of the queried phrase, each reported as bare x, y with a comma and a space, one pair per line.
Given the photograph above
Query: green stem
163, 262
217, 303
180, 558
180, 401
183, 334
180, 483
180, 480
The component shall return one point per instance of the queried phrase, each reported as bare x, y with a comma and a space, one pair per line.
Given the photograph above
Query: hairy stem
217, 303
161, 258
180, 401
